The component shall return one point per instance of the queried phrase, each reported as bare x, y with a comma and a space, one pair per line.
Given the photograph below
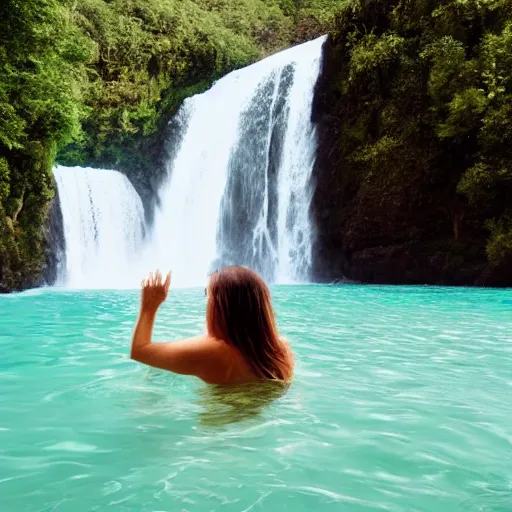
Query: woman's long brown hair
240, 312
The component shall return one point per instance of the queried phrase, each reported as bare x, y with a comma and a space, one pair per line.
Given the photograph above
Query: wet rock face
55, 245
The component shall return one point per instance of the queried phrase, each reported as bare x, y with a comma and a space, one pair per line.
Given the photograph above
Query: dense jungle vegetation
414, 170
95, 81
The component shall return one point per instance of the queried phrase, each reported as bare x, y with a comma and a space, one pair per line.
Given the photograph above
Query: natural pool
402, 401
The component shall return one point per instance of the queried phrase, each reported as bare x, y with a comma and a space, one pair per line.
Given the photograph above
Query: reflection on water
216, 406
224, 405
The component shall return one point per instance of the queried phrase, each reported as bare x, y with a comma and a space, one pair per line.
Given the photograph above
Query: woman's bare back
212, 360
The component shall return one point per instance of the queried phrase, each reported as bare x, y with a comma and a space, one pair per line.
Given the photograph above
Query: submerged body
242, 344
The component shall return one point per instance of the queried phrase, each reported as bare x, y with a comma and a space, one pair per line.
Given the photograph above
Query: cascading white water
239, 189
295, 190
103, 221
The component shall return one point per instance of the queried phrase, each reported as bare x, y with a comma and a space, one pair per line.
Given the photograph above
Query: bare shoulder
193, 356
211, 357
200, 343
204, 350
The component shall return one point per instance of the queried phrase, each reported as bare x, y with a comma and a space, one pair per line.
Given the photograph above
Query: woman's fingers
155, 279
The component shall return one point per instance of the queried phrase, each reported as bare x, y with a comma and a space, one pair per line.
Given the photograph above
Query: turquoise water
402, 402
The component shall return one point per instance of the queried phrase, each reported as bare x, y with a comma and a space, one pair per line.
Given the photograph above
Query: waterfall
103, 221
238, 189
239, 186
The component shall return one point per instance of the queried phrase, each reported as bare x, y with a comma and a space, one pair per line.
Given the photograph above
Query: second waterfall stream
239, 182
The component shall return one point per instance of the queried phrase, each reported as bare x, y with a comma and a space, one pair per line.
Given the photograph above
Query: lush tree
41, 71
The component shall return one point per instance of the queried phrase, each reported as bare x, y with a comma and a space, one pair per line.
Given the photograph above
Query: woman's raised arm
188, 357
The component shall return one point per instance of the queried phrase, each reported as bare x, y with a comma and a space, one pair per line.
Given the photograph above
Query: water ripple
401, 402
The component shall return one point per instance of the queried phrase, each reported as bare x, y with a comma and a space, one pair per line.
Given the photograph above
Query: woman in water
242, 344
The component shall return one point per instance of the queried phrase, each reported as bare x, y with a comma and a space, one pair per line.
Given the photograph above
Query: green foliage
423, 107
41, 71
5, 182
373, 52
145, 52
447, 68
465, 112
499, 247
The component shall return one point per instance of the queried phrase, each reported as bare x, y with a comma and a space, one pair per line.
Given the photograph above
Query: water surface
402, 401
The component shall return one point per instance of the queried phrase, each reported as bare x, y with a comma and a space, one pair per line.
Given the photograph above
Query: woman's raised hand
154, 290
